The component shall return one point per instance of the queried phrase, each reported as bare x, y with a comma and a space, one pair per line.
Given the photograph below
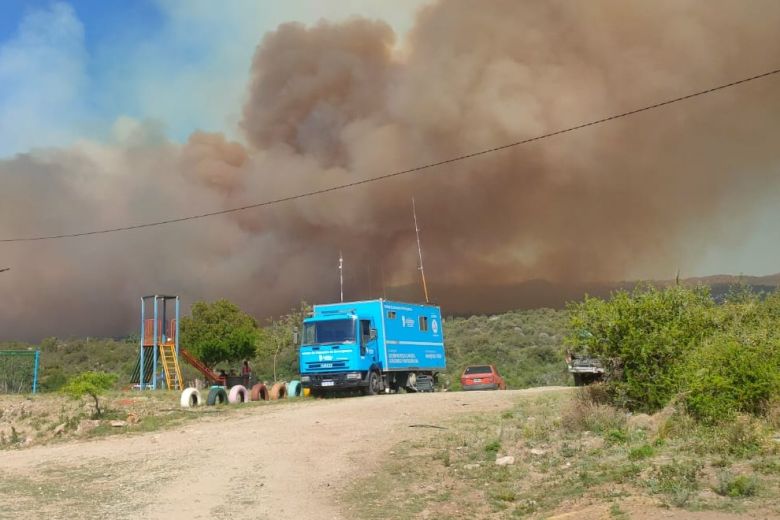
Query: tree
92, 384
219, 332
277, 354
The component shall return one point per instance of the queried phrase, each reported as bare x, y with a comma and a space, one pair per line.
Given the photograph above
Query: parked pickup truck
585, 369
374, 346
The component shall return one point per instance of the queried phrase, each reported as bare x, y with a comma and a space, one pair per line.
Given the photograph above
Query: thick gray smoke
334, 103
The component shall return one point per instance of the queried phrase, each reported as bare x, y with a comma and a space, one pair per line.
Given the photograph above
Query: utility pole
341, 275
419, 251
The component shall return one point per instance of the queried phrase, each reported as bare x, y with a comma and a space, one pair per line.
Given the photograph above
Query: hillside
526, 346
466, 300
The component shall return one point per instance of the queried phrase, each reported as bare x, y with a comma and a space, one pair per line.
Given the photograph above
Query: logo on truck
435, 326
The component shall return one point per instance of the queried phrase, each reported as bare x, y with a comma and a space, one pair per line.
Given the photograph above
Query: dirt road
287, 461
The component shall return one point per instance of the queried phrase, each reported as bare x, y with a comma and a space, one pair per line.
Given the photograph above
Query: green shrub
616, 436
730, 375
734, 486
493, 447
53, 380
643, 337
641, 452
658, 345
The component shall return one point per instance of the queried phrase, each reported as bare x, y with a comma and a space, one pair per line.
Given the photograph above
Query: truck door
367, 344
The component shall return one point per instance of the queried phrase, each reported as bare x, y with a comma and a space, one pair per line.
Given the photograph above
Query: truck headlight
353, 375
305, 379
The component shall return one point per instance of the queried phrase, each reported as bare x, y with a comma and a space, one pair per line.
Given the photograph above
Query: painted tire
278, 391
217, 395
238, 394
293, 389
259, 392
190, 397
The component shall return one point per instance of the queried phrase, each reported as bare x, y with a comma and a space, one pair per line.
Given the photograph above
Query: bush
641, 452
642, 338
730, 375
733, 486
661, 346
93, 384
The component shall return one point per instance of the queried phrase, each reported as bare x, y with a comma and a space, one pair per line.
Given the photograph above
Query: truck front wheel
374, 384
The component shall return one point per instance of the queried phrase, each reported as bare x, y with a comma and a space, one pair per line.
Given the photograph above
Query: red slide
203, 369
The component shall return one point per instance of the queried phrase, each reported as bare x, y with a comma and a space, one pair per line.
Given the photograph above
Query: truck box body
342, 343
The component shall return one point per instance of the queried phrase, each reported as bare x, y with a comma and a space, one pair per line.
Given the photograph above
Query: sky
81, 70
72, 70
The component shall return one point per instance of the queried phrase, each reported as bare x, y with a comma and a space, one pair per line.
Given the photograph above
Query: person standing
246, 373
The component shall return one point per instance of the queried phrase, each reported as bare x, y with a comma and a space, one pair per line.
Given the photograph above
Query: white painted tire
190, 397
238, 394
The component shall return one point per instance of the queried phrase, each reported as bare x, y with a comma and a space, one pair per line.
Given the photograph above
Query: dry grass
573, 452
45, 418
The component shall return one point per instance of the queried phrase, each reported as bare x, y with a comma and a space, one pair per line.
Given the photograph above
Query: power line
396, 173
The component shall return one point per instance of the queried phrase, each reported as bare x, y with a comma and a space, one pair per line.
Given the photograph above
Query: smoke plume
338, 102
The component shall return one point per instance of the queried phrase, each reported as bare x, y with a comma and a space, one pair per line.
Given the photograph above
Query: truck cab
373, 345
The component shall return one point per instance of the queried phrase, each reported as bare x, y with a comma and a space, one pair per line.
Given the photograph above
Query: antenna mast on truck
419, 251
341, 275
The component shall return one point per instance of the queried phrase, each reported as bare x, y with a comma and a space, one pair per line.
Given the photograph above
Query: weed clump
678, 480
735, 486
644, 451
587, 412
492, 447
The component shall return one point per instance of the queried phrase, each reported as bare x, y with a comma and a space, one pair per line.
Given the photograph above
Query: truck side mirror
372, 334
295, 337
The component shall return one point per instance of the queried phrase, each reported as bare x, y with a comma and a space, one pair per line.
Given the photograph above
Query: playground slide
209, 374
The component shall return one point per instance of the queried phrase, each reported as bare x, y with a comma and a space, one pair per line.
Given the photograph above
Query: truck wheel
578, 379
373, 384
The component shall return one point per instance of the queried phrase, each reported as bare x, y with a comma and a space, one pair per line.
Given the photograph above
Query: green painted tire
294, 389
217, 395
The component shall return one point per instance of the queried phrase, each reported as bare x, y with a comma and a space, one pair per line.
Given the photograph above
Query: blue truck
375, 346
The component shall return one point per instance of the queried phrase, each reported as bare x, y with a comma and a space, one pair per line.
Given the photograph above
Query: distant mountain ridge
466, 300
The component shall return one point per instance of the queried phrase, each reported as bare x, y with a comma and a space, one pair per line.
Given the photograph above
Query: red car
482, 377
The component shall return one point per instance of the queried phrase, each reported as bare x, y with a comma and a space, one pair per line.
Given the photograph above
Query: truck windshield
330, 331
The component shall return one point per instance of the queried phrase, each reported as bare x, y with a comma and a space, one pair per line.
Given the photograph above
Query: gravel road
275, 462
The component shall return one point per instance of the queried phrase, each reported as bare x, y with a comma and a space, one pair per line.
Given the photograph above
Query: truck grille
326, 365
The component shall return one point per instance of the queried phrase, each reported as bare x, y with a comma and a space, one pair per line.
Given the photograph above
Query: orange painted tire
278, 391
259, 392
